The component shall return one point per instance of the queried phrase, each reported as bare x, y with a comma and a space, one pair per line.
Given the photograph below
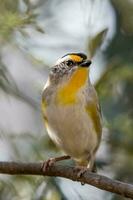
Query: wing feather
94, 111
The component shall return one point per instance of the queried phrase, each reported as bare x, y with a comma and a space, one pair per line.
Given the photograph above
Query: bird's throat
67, 94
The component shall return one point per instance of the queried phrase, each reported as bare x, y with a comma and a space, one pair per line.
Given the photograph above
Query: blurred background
33, 35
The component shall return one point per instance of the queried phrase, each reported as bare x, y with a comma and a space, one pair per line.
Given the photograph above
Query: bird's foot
80, 171
51, 161
47, 164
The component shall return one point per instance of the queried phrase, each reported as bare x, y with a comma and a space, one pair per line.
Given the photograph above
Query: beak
85, 63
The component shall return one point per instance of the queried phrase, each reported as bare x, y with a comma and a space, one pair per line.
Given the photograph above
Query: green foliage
8, 22
125, 10
116, 97
8, 5
114, 88
11, 19
96, 41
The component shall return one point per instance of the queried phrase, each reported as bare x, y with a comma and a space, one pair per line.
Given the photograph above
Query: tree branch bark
99, 181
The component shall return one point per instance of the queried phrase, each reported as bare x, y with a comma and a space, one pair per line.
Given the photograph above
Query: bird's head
69, 66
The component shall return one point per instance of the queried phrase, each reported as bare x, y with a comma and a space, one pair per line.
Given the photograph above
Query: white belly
72, 130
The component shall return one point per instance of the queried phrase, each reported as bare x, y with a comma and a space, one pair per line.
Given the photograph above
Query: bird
71, 111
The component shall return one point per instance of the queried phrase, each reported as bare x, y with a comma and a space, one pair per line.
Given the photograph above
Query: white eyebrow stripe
60, 60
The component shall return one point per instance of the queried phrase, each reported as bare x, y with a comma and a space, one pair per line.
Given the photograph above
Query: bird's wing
94, 111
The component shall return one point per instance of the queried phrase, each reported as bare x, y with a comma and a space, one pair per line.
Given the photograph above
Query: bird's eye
69, 63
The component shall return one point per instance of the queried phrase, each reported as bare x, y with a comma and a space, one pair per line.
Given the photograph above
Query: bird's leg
90, 167
51, 161
94, 168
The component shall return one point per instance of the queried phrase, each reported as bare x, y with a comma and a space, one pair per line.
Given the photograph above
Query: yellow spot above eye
76, 58
68, 93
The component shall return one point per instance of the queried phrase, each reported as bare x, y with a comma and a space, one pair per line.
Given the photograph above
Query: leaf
39, 29
96, 42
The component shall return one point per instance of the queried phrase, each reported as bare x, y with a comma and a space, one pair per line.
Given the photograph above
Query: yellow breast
67, 93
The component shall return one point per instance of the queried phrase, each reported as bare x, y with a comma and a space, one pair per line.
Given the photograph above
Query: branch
99, 181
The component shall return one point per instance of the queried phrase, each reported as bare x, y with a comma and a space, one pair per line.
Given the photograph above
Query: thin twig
99, 181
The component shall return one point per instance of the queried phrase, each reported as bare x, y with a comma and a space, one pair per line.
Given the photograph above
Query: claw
47, 164
51, 161
80, 174
81, 170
